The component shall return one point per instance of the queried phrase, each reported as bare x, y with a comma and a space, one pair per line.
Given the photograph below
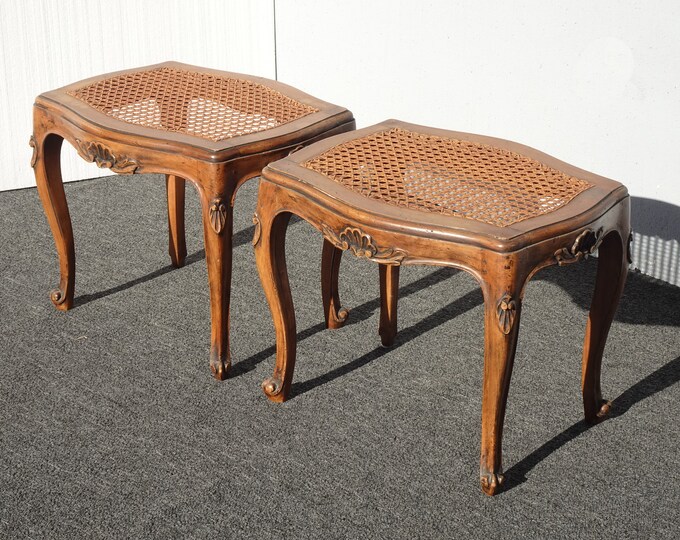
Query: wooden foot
217, 227
502, 306
335, 316
612, 270
270, 255
46, 162
389, 293
177, 248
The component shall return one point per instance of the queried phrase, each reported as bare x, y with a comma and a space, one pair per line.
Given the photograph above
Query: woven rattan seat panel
449, 176
195, 103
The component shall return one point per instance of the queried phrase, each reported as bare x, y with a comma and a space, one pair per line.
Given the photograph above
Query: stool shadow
240, 238
664, 377
635, 306
358, 314
452, 310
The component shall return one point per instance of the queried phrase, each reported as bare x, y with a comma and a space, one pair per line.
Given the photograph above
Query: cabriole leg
389, 293
335, 316
46, 162
270, 255
217, 227
502, 307
612, 269
175, 187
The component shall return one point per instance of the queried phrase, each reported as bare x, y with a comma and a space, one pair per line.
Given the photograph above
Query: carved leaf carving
101, 155
506, 310
218, 215
585, 244
361, 245
33, 144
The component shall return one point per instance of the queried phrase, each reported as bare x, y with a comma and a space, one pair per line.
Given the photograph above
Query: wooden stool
399, 194
213, 128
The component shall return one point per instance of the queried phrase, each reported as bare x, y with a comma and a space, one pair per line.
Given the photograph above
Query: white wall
595, 83
45, 44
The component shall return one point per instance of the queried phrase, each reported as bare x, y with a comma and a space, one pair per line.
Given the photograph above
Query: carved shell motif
218, 215
101, 155
361, 245
585, 244
506, 310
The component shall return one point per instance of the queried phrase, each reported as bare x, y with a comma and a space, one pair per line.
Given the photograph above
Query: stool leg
334, 315
502, 307
217, 230
47, 168
612, 269
389, 294
175, 187
270, 255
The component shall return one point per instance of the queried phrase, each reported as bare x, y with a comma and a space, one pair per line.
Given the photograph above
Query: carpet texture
112, 427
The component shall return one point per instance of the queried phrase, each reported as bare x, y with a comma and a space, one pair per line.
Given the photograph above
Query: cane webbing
201, 104
449, 176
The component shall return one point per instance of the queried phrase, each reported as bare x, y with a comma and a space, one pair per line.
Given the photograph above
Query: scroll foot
491, 482
61, 300
602, 413
219, 365
273, 389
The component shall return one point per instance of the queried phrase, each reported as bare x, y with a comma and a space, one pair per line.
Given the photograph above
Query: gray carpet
111, 425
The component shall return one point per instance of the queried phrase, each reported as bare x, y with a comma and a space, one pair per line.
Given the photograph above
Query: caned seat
447, 176
174, 98
216, 129
399, 194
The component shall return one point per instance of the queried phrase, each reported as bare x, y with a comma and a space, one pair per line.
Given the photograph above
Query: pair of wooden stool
393, 193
